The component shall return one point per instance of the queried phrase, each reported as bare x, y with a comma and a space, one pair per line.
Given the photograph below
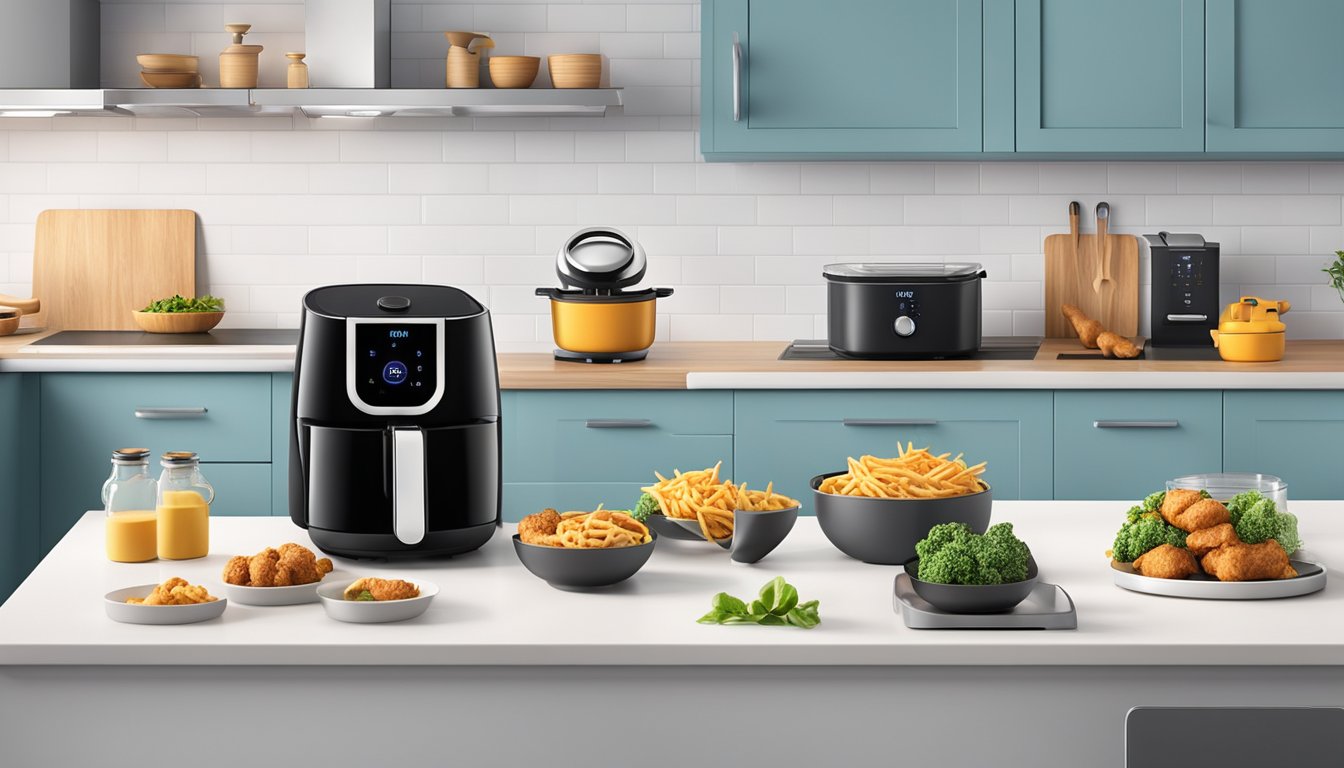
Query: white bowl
376, 611
129, 613
295, 595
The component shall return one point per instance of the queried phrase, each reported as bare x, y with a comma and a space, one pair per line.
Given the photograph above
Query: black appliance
1185, 302
895, 311
395, 429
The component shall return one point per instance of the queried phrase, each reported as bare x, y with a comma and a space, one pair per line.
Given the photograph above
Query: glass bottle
128, 500
183, 507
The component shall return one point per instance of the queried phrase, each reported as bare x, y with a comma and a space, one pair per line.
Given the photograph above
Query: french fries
701, 496
915, 474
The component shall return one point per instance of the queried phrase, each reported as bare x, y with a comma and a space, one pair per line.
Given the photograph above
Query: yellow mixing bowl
603, 324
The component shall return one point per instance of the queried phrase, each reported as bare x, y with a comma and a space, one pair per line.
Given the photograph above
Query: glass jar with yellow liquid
183, 507
129, 498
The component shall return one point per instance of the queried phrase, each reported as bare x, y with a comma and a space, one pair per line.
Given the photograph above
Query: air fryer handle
408, 485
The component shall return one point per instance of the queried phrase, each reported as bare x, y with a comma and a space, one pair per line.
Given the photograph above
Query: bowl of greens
177, 314
961, 571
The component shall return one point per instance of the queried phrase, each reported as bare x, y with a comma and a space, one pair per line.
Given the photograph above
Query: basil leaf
769, 620
728, 604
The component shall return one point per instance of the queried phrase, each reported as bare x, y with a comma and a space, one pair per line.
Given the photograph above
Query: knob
904, 326
394, 303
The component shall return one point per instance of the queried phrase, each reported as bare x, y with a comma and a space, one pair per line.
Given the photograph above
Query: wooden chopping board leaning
1099, 274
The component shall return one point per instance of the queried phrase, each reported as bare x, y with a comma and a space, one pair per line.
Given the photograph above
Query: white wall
287, 204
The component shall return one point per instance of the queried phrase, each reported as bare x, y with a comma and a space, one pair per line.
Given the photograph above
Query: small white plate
129, 613
377, 611
1311, 578
269, 596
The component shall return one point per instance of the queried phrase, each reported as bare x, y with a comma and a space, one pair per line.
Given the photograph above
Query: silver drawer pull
170, 413
618, 423
1187, 318
890, 422
1173, 424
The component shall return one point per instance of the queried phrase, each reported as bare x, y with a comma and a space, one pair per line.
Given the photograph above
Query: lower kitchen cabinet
18, 479
787, 437
1294, 435
1121, 445
282, 409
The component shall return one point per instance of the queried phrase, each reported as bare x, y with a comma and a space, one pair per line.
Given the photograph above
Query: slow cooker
896, 311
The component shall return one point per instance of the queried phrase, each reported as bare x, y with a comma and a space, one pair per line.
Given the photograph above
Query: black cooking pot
903, 311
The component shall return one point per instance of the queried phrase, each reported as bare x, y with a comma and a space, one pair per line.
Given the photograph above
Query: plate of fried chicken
284, 575
1183, 543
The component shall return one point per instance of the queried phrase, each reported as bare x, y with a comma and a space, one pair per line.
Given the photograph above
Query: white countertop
491, 611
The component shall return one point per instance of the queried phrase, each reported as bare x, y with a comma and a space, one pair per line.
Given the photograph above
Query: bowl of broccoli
960, 571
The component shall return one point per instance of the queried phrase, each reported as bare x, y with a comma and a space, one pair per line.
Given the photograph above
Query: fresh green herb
646, 506
954, 554
777, 605
1336, 273
366, 596
177, 303
1256, 519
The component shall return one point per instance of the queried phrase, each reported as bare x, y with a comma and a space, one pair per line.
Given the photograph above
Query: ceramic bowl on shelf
575, 70
177, 322
579, 569
513, 71
168, 62
114, 603
332, 596
885, 531
973, 598
171, 79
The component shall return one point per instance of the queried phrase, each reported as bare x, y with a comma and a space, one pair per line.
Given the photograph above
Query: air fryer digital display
395, 364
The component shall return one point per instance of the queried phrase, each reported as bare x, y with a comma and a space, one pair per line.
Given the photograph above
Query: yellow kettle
1250, 331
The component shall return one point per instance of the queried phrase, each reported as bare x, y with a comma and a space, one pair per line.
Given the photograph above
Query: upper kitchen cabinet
845, 78
1276, 76
1098, 76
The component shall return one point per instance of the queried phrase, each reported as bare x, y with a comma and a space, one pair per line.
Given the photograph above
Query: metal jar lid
600, 257
130, 455
179, 458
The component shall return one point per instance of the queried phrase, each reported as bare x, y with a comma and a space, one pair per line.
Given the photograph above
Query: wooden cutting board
92, 268
1072, 262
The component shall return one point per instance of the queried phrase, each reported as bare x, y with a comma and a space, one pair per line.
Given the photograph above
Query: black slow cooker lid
391, 300
876, 272
614, 297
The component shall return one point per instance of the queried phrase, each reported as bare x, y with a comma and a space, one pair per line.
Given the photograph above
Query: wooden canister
238, 62
296, 74
464, 58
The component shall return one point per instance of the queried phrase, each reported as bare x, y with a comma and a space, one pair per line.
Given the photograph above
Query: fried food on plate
1249, 562
539, 528
701, 496
1166, 562
1205, 540
914, 474
288, 566
175, 591
1190, 511
374, 589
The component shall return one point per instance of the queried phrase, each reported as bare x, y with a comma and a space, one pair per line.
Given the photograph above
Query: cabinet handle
890, 422
1187, 318
170, 413
1173, 424
618, 423
737, 79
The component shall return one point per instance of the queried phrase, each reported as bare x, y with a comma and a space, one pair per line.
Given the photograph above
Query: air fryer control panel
395, 365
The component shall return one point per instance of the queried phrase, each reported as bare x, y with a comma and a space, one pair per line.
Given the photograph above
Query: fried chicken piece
382, 589
1115, 345
1204, 541
1190, 511
1166, 562
236, 571
540, 528
261, 568
175, 591
298, 565
1176, 500
1087, 329
1249, 562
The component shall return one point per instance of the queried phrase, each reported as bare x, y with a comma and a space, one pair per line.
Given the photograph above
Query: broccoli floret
1256, 519
953, 554
1153, 501
647, 505
1143, 532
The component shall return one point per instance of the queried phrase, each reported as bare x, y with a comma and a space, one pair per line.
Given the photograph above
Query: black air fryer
395, 438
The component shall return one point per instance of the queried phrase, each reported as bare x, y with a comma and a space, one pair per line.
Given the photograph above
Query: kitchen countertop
491, 611
750, 365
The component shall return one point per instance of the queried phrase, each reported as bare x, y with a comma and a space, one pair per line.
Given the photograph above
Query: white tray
1310, 578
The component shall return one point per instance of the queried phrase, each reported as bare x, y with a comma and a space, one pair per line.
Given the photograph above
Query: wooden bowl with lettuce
181, 315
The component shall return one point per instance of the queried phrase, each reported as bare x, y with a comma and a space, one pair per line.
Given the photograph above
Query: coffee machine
1185, 302
395, 428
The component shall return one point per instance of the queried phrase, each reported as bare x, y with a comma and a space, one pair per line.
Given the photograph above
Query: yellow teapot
1250, 331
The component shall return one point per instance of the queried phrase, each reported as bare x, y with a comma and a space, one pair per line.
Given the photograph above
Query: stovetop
991, 348
230, 337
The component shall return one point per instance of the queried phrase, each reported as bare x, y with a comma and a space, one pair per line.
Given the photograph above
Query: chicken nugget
1249, 562
1176, 500
1166, 562
539, 528
1205, 540
262, 566
1205, 513
236, 571
297, 565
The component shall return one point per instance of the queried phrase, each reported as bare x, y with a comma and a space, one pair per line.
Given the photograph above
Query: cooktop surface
991, 348
267, 337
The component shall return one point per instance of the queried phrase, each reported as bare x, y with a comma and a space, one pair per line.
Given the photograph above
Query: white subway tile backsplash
543, 178
956, 209
1073, 178
680, 17
716, 209
834, 178
252, 178
55, 146
1208, 178
347, 240
544, 147
794, 210
84, 178
660, 147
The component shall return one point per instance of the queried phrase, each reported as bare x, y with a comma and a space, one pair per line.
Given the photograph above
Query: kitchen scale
1047, 607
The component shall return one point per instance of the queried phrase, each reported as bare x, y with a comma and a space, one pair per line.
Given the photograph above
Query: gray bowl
755, 533
885, 531
671, 528
964, 598
580, 569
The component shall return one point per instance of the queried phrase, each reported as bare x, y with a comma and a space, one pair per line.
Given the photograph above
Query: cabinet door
1115, 445
1106, 76
18, 479
789, 437
1276, 76
1294, 435
843, 77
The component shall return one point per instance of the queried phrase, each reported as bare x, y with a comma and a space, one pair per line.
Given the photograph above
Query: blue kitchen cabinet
1293, 435
797, 78
18, 479
84, 416
1102, 76
1125, 445
281, 410
1275, 76
787, 437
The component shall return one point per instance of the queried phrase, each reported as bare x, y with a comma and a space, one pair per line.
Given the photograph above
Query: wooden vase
296, 74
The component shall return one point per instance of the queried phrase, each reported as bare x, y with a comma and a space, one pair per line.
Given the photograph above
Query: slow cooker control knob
904, 326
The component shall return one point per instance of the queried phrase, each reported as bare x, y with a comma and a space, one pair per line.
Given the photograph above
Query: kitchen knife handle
618, 423
890, 422
737, 79
171, 413
1173, 424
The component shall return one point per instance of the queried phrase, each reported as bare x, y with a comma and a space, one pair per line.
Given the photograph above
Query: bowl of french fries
877, 509
581, 550
749, 523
